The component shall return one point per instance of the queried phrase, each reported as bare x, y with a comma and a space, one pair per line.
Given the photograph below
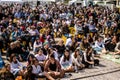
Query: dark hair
29, 69
88, 49
32, 56
66, 58
75, 55
6, 65
29, 75
52, 56
35, 59
11, 57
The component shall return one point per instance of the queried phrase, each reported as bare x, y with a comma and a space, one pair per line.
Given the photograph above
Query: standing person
66, 62
53, 67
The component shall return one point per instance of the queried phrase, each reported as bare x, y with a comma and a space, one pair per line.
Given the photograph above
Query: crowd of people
28, 34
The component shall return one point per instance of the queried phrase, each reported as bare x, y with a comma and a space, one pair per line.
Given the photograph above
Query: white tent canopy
11, 0
47, 0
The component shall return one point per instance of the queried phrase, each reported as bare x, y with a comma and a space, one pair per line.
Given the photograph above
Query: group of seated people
54, 61
49, 63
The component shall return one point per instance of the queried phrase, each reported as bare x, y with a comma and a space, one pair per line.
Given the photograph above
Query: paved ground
110, 76
107, 70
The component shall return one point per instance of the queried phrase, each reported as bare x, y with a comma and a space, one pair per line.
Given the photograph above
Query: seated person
37, 44
38, 71
30, 59
41, 57
84, 44
110, 44
88, 58
54, 52
99, 46
20, 50
66, 61
16, 66
60, 48
53, 67
28, 74
117, 50
11, 49
77, 60
5, 73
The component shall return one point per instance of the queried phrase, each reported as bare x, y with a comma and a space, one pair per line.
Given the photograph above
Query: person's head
7, 67
33, 27
85, 40
99, 39
37, 40
35, 61
89, 50
12, 45
61, 42
67, 53
77, 53
52, 58
17, 43
107, 35
31, 57
46, 45
40, 52
13, 59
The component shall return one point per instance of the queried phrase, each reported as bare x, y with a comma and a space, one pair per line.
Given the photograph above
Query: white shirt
36, 70
76, 61
16, 66
68, 42
35, 45
55, 55
99, 44
40, 57
33, 32
66, 62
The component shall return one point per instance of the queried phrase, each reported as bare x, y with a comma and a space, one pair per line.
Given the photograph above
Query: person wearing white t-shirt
77, 60
69, 41
66, 62
41, 57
